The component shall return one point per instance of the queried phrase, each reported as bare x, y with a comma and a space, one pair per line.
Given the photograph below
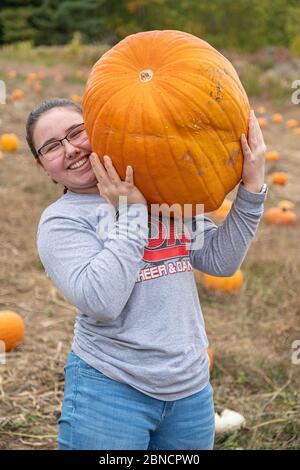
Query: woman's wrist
253, 188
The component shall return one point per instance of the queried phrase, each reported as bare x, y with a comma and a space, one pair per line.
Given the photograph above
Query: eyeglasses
55, 149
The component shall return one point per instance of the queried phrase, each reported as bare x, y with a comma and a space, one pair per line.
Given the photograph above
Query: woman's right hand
111, 187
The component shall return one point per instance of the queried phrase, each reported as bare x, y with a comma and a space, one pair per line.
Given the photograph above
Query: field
250, 332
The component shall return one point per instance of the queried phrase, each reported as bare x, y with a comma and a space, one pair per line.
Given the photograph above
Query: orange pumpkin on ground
263, 122
292, 123
280, 216
287, 205
17, 94
31, 77
261, 110
166, 102
225, 284
9, 142
277, 118
12, 329
76, 98
272, 156
211, 359
279, 177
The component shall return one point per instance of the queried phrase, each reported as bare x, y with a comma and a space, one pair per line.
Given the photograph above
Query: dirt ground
250, 332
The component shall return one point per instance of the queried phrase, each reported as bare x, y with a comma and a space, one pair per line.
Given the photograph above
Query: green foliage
250, 80
15, 25
244, 25
295, 45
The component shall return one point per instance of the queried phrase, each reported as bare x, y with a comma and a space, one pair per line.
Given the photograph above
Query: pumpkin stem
146, 75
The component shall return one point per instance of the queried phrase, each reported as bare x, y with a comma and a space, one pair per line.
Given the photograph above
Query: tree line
244, 25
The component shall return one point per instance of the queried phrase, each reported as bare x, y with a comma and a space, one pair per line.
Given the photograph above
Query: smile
79, 164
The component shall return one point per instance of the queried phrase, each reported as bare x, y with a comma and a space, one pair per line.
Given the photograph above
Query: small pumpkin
263, 122
224, 284
286, 205
280, 216
277, 118
272, 156
31, 77
17, 94
291, 123
211, 359
279, 177
76, 98
9, 142
261, 110
12, 329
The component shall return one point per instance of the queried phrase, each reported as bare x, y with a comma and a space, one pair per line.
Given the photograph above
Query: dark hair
37, 112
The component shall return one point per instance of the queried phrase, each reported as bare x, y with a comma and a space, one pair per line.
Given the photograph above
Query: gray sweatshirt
139, 319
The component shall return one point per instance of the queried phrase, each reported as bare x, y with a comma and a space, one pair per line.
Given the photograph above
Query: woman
137, 375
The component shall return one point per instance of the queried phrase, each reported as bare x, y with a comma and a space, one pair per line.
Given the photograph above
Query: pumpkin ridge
146, 161
174, 160
131, 45
113, 96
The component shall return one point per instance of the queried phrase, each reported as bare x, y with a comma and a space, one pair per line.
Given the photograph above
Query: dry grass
250, 332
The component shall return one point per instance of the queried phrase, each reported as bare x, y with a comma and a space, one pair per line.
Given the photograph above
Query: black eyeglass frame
60, 140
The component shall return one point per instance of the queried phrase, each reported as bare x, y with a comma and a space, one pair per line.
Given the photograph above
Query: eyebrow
53, 139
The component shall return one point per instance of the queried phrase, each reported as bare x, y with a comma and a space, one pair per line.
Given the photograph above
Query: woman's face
55, 124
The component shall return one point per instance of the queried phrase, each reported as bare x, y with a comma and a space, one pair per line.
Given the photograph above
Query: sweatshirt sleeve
95, 273
223, 248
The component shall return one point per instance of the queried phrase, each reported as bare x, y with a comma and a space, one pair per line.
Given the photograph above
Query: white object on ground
229, 421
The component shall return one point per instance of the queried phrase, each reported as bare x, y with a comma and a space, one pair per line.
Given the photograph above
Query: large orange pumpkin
224, 284
171, 106
12, 329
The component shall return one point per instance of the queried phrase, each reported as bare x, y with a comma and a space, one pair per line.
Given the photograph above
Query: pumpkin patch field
253, 323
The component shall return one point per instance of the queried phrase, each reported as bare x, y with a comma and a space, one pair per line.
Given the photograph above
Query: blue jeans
101, 413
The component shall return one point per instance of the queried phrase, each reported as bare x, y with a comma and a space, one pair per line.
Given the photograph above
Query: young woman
137, 374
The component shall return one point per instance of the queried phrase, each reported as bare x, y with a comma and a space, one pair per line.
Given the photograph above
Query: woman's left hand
254, 151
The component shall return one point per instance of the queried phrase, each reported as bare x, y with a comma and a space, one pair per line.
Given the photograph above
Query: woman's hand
110, 185
254, 151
